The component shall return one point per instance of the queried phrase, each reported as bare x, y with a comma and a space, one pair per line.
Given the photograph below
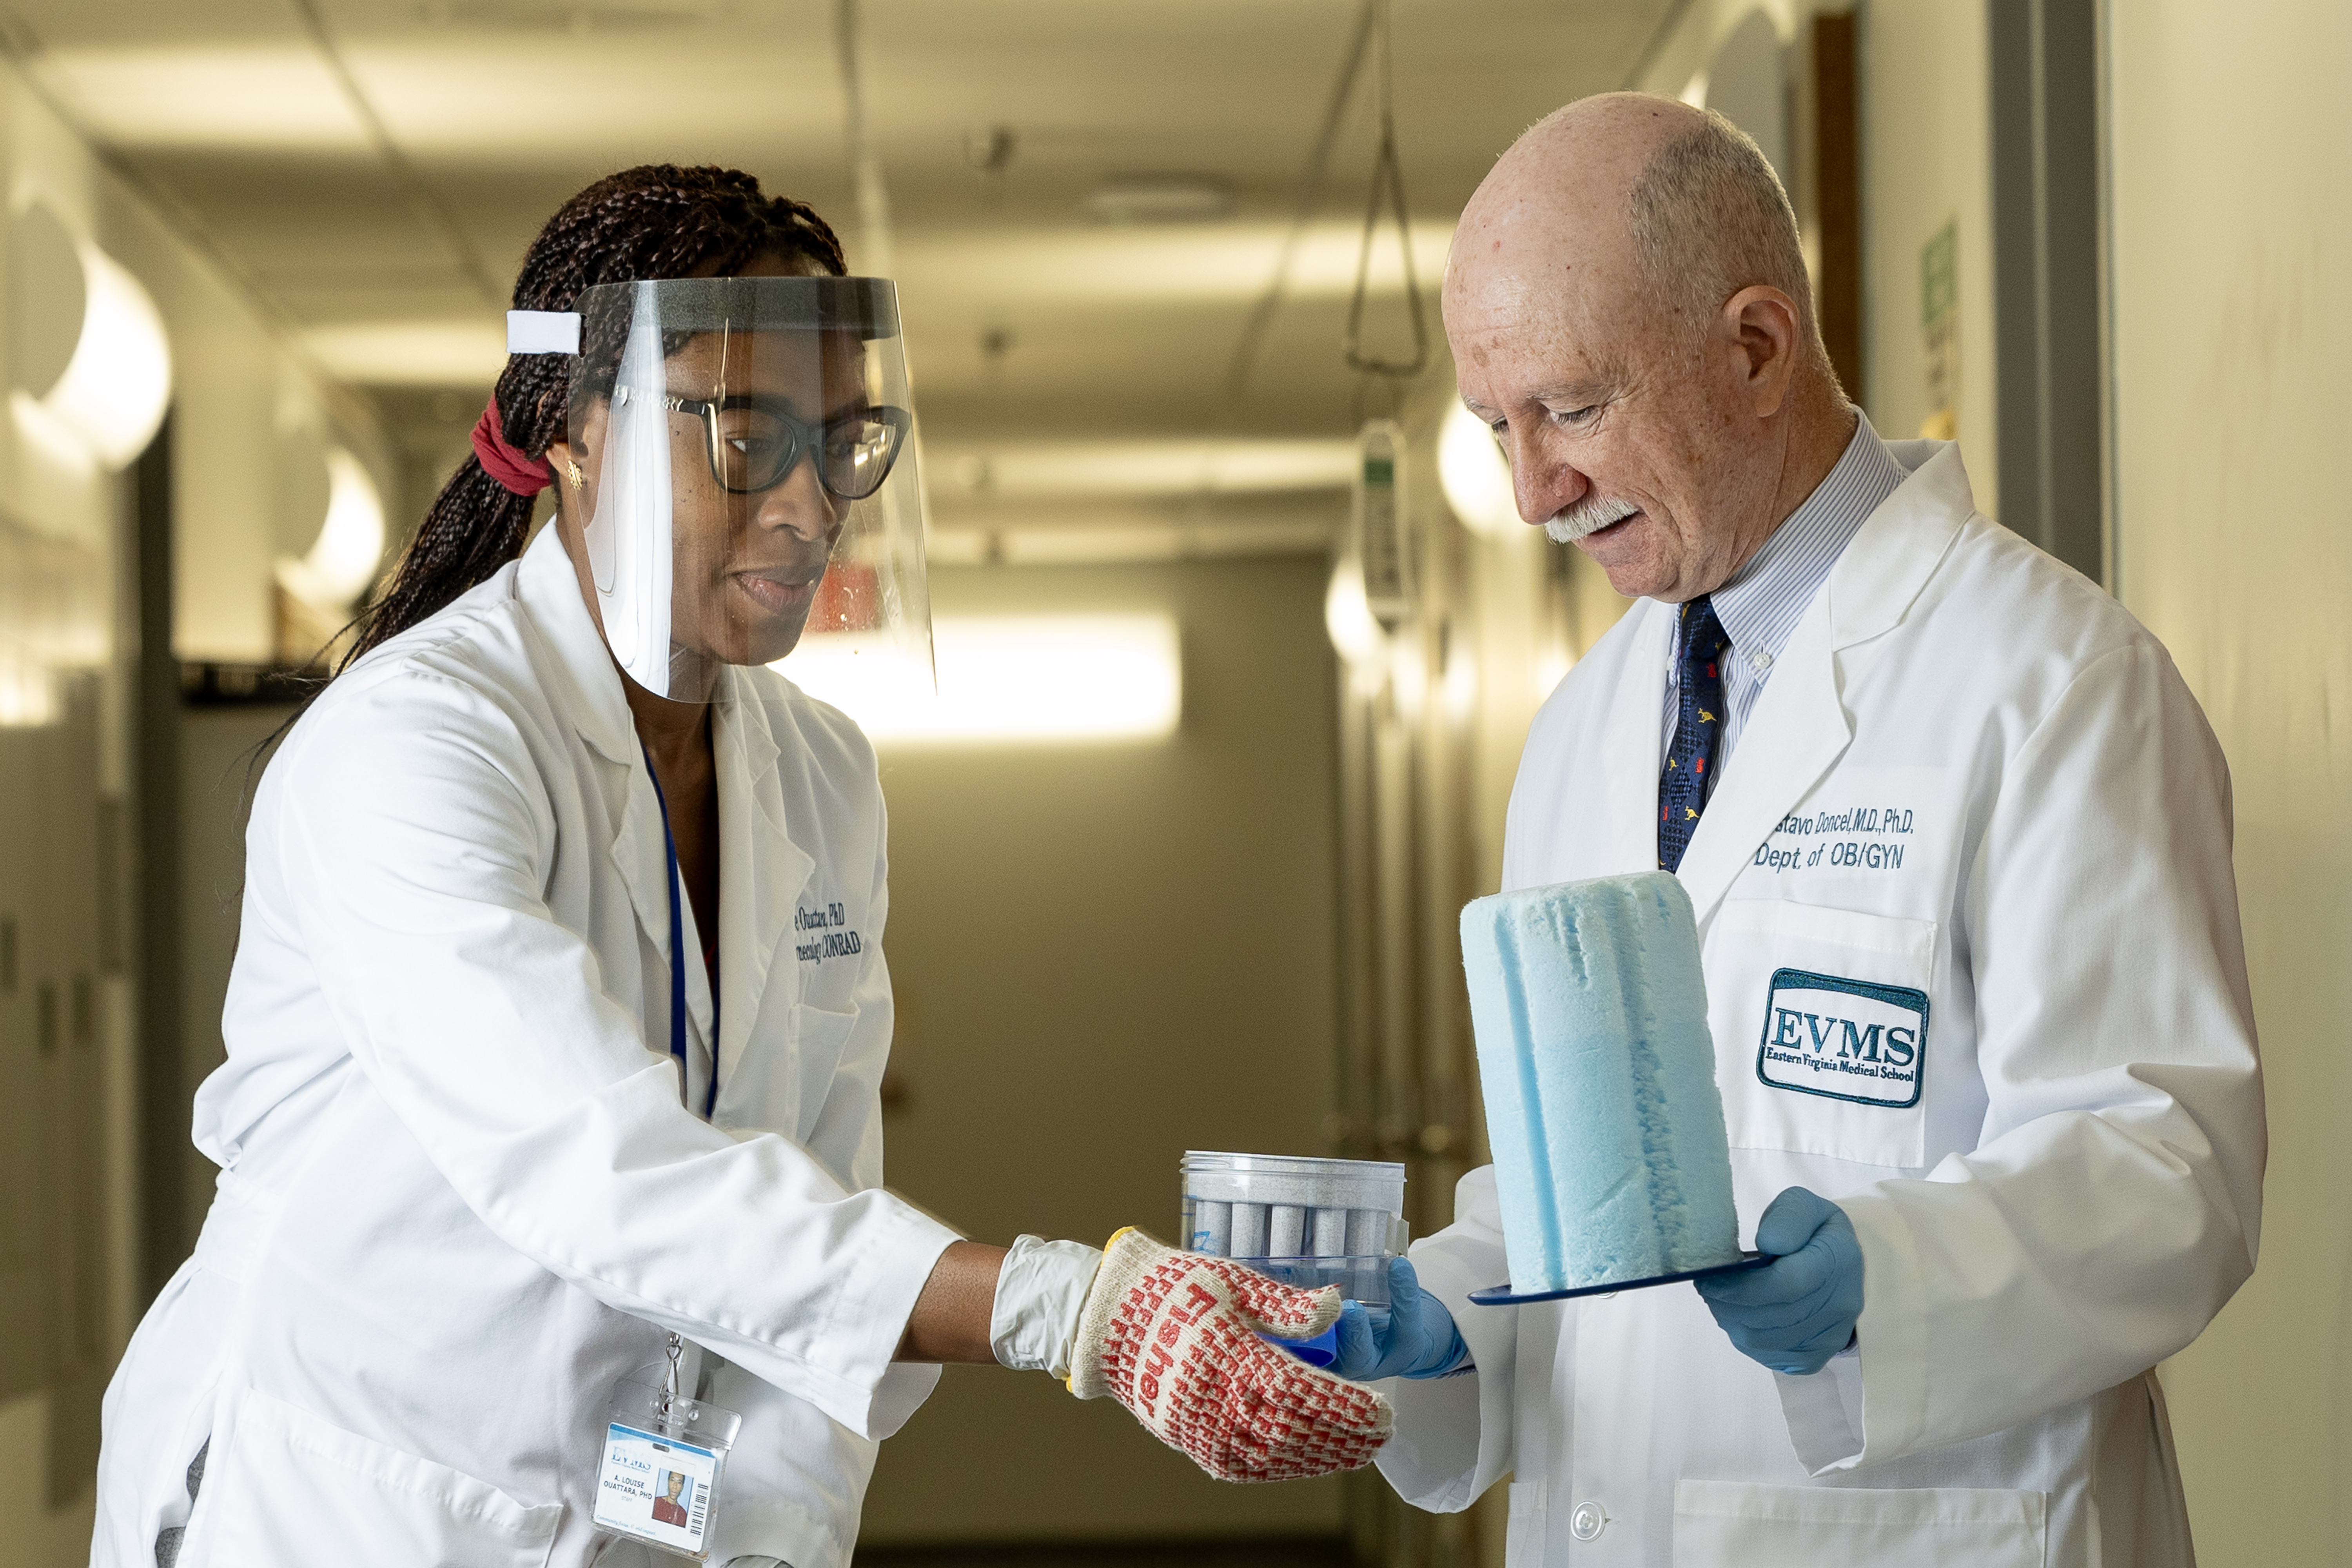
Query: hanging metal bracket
1388, 182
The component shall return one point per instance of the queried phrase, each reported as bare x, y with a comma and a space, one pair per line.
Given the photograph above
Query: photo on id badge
657, 1488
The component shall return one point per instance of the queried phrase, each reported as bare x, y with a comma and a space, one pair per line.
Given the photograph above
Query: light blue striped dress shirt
1760, 606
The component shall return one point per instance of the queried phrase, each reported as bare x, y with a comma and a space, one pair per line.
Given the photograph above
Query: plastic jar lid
1218, 1177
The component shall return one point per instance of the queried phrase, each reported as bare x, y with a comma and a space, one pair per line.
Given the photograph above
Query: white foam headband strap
542, 331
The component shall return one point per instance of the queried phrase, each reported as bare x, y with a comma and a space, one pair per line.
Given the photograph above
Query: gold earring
579, 477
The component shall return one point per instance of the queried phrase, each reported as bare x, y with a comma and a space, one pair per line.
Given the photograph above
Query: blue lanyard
677, 960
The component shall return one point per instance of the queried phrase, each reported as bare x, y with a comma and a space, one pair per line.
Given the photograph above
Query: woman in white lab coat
465, 1194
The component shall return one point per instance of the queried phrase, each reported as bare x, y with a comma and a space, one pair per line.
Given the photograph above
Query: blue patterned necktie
1690, 770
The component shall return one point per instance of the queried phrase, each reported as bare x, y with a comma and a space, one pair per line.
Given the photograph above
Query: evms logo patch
1847, 1040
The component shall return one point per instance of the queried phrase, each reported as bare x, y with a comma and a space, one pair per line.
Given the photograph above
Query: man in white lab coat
1897, 757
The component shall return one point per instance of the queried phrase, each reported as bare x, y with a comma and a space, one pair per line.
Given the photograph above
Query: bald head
1709, 217
1648, 192
1631, 271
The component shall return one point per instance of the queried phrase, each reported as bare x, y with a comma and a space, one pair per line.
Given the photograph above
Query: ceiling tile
1028, 323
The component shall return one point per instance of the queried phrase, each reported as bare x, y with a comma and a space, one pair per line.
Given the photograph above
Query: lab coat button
1588, 1522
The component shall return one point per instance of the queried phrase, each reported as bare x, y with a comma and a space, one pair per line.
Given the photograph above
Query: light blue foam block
1590, 1009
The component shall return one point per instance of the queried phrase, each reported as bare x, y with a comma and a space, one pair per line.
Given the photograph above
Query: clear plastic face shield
742, 477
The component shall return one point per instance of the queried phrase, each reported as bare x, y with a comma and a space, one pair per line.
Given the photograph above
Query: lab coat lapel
587, 688
640, 853
1799, 728
587, 683
1796, 730
1899, 548
762, 873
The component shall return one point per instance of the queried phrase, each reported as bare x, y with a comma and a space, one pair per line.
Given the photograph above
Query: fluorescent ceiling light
1042, 470
563, 17
998, 268
1007, 679
1124, 542
277, 97
469, 102
1165, 198
413, 353
445, 95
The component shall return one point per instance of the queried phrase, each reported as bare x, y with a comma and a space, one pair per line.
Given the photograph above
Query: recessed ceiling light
1160, 198
1006, 680
556, 16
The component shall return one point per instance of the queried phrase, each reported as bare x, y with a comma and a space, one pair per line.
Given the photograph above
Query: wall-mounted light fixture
1348, 617
1459, 685
1408, 669
1007, 679
342, 561
28, 688
1472, 472
1356, 634
94, 363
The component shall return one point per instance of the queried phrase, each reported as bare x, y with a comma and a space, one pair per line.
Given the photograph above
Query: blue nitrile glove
1798, 1310
1412, 1336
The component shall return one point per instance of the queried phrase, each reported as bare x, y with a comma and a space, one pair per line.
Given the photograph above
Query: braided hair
654, 221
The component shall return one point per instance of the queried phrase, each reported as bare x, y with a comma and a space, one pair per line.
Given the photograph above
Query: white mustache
1590, 515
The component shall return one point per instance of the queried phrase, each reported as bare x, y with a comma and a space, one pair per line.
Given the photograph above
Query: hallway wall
76, 1137
1103, 957
1924, 164
2231, 244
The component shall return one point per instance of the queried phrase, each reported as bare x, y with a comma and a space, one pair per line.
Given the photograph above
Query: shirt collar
1765, 599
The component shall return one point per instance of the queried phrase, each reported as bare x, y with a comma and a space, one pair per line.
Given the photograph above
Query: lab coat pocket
819, 1036
294, 1489
1823, 1029
1721, 1523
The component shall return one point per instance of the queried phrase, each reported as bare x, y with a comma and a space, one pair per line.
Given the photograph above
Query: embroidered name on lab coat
1844, 1039
822, 926
1856, 839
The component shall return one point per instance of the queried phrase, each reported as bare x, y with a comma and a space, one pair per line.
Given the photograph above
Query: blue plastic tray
1502, 1295
1320, 1351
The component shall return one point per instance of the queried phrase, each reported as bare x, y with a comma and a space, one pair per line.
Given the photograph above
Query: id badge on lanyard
677, 964
665, 1456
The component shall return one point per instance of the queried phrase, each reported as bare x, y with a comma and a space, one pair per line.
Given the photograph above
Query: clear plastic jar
1304, 1222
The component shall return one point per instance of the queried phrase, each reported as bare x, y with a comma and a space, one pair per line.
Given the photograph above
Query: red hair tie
509, 464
